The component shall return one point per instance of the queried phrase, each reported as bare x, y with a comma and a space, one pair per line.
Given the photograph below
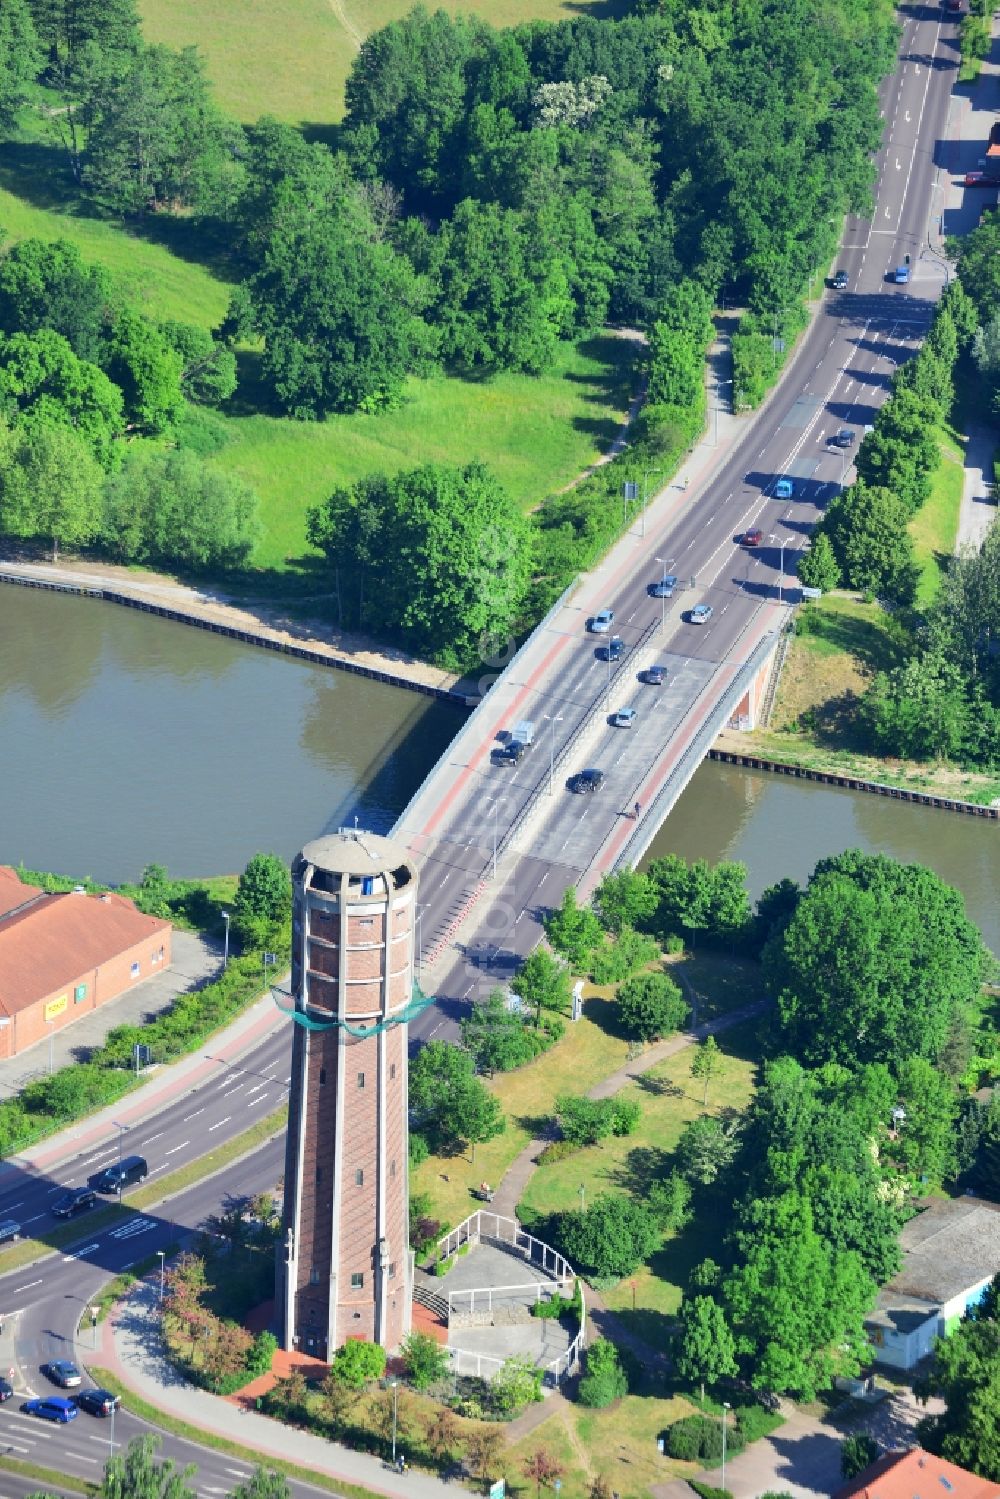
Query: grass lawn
536, 434
585, 1054
669, 1097
619, 1443
935, 526
36, 201
290, 58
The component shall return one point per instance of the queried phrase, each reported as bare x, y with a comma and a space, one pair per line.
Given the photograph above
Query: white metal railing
539, 1289
483, 1224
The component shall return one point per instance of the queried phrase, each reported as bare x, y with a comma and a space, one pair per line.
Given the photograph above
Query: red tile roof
54, 939
12, 892
916, 1475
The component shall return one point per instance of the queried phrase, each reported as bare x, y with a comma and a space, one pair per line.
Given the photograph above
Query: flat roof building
63, 955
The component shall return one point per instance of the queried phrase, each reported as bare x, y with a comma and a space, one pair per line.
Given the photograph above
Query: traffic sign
498, 1489
812, 593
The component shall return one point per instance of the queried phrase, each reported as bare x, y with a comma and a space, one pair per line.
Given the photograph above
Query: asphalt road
839, 378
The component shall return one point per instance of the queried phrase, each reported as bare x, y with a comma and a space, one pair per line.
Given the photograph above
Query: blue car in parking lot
54, 1408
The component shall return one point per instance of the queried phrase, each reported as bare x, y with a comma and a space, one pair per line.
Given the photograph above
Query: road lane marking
220, 1123
150, 1138
19, 1289
87, 1249
192, 1116
183, 1146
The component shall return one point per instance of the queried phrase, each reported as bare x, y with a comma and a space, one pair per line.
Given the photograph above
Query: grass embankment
829, 665
538, 435
934, 529
290, 58
27, 1251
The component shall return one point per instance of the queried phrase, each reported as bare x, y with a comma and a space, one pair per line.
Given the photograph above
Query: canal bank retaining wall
853, 783
233, 632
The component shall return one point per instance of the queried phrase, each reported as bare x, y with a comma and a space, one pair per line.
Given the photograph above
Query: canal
126, 740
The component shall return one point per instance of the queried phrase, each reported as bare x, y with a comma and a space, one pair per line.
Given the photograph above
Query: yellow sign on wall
55, 1007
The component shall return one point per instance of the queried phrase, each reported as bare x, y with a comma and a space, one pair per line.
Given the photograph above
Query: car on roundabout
63, 1373
586, 780
52, 1408
701, 614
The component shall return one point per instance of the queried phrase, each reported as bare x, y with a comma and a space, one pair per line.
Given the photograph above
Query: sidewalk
131, 1347
168, 1084
979, 508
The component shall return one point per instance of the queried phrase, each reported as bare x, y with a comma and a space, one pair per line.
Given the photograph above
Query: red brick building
346, 1270
62, 956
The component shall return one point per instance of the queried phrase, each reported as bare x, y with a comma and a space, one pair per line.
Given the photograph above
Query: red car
980, 179
752, 538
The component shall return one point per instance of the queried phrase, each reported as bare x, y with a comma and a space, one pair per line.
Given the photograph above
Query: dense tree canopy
873, 963
43, 383
439, 556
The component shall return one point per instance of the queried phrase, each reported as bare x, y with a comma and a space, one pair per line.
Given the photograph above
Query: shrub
605, 1380
424, 1360
610, 1239
261, 1355
695, 1438
669, 1201
706, 1491
651, 1005
858, 1452
357, 1363
557, 1151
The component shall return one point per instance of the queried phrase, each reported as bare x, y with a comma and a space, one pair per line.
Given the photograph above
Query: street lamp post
583, 1197
781, 562
420, 943
553, 719
395, 1393
664, 563
163, 1256
225, 950
647, 474
122, 1129
112, 1437
725, 1408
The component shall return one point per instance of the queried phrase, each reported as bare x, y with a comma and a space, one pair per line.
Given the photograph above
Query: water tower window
368, 885
361, 1079
357, 1281
322, 1075
313, 1276
392, 1070
392, 1168
359, 1178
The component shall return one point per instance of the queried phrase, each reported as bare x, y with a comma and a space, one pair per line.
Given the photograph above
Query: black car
511, 754
586, 780
840, 281
98, 1402
76, 1200
614, 649
122, 1174
664, 587
62, 1373
6, 1390
653, 676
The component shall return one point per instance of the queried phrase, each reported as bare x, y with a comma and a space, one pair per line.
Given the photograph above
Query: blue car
55, 1408
901, 275
784, 489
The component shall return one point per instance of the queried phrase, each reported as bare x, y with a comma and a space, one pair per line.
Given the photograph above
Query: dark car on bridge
664, 587
614, 649
586, 780
98, 1402
653, 676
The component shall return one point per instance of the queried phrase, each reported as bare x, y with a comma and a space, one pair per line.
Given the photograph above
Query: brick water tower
345, 1267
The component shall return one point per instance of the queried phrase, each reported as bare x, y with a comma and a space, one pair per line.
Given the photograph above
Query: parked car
653, 676
624, 718
753, 538
6, 1389
602, 621
664, 587
840, 281
586, 780
63, 1373
98, 1402
784, 489
52, 1409
76, 1200
701, 614
122, 1174
614, 649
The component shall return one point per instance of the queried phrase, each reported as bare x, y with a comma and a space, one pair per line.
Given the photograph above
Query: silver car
701, 614
602, 621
